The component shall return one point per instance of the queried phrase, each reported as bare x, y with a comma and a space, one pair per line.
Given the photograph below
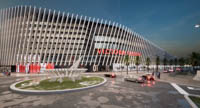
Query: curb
27, 75
190, 101
185, 94
43, 92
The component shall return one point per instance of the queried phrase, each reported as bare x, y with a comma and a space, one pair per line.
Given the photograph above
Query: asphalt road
116, 93
191, 89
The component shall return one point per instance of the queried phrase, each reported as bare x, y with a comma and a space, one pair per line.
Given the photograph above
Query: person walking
158, 75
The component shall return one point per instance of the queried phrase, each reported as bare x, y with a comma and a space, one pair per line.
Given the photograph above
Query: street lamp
197, 26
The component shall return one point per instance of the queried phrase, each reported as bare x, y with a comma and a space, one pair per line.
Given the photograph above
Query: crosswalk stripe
191, 88
179, 89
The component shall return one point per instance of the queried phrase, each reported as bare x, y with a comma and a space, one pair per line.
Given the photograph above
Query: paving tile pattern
116, 93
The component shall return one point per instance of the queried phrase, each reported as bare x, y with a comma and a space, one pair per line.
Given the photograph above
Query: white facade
30, 35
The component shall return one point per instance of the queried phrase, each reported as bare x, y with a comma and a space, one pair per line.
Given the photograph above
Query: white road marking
179, 89
190, 102
186, 95
191, 88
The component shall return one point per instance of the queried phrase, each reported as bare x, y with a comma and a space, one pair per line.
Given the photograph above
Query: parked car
148, 77
165, 71
178, 69
171, 70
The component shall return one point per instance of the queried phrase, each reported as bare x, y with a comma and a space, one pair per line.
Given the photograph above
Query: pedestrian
158, 75
4, 73
153, 73
8, 74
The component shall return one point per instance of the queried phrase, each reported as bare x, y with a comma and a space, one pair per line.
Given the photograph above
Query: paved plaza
116, 93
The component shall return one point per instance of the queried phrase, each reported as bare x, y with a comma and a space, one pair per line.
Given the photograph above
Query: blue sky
167, 23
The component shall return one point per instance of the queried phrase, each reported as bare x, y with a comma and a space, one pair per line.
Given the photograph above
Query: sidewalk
123, 73
179, 79
24, 74
21, 75
117, 73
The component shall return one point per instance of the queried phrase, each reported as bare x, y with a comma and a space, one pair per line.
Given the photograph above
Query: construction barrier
50, 66
22, 68
34, 68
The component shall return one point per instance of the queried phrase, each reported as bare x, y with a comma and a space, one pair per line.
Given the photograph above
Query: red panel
22, 68
50, 66
34, 68
31, 68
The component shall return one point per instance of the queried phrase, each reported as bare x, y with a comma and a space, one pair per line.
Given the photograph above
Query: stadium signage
117, 52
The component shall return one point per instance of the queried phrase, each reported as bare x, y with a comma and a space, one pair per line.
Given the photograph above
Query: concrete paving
180, 79
116, 93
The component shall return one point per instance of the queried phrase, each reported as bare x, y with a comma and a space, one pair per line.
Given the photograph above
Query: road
116, 93
191, 89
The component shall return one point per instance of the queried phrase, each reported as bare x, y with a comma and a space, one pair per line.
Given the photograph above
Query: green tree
148, 61
127, 60
137, 62
194, 59
187, 61
181, 61
157, 62
165, 62
175, 61
171, 62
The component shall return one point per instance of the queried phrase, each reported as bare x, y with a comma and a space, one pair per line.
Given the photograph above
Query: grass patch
66, 84
20, 84
196, 100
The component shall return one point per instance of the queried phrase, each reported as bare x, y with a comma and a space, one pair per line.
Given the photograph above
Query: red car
112, 75
178, 69
165, 71
148, 77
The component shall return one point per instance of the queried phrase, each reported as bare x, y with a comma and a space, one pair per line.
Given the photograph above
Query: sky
167, 23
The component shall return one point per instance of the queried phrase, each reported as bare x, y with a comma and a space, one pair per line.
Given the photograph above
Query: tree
181, 61
137, 62
187, 61
194, 59
175, 61
165, 61
157, 62
127, 60
171, 62
148, 61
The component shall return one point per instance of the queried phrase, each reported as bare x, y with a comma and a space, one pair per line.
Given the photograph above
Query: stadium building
33, 39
